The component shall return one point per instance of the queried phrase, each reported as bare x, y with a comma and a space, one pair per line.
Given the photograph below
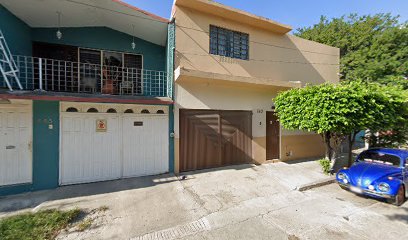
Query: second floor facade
218, 42
108, 48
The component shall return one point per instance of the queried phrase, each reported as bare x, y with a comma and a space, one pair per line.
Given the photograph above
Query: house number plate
137, 124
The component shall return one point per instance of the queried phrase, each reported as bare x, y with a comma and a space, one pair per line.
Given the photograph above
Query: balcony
53, 75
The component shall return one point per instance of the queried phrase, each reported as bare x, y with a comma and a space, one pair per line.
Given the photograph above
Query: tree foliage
339, 111
371, 47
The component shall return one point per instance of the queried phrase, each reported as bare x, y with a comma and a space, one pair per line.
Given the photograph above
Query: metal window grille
229, 43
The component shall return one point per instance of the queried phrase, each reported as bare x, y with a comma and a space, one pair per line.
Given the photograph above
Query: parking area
238, 202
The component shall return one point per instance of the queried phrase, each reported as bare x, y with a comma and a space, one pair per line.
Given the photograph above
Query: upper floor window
229, 43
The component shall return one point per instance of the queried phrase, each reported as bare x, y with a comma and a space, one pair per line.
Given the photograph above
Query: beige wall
273, 56
200, 94
295, 147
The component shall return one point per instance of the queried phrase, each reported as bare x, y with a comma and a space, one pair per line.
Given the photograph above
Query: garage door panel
236, 135
133, 145
88, 155
145, 144
212, 138
199, 140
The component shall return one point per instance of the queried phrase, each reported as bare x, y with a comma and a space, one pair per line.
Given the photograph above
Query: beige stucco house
230, 64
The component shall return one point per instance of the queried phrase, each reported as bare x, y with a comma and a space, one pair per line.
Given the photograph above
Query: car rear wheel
400, 197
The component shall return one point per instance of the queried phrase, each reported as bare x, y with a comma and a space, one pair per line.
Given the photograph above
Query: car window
381, 158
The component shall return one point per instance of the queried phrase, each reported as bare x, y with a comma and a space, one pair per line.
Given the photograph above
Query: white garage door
145, 146
126, 145
15, 143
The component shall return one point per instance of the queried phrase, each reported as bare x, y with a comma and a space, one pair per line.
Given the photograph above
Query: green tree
390, 128
338, 112
371, 47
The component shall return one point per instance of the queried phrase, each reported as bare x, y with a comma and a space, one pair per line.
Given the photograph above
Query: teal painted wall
17, 35
16, 32
154, 56
45, 144
15, 189
45, 150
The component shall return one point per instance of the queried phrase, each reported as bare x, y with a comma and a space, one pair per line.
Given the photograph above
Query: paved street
240, 202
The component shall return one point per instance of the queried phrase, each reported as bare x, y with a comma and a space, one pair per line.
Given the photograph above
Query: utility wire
111, 10
154, 20
261, 60
267, 44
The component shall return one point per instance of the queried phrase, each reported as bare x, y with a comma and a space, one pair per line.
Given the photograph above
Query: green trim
170, 58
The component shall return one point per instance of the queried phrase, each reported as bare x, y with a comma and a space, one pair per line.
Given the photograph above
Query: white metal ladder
8, 66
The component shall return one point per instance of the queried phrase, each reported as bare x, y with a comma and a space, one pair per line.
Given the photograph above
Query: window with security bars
229, 43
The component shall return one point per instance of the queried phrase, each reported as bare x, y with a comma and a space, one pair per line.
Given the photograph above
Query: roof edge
141, 11
218, 9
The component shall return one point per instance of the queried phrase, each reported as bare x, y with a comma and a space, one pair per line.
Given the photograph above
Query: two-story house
86, 90
85, 93
229, 66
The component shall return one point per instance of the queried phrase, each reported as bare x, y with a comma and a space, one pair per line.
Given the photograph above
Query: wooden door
213, 138
272, 136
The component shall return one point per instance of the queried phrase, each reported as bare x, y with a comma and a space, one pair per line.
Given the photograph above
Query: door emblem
101, 125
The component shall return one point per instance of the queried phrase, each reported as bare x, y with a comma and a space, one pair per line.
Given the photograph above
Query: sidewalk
295, 174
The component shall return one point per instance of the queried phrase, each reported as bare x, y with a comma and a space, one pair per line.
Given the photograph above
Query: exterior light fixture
133, 42
59, 33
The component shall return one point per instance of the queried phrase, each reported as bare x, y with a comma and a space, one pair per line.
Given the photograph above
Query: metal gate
214, 138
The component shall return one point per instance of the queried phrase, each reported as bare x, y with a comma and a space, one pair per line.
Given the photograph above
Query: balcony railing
76, 77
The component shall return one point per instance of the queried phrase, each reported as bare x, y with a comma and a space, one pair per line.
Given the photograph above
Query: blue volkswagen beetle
379, 173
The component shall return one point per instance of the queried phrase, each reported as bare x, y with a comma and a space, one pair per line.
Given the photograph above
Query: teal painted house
96, 102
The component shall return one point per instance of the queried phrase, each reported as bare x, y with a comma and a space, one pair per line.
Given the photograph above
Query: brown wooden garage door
212, 138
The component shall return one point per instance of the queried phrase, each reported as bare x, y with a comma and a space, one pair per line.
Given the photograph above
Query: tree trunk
326, 139
335, 153
351, 141
334, 160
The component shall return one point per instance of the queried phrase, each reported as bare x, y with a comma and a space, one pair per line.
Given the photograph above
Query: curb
316, 184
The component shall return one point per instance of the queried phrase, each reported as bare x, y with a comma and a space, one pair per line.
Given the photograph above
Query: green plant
337, 112
85, 224
372, 47
41, 225
103, 208
325, 164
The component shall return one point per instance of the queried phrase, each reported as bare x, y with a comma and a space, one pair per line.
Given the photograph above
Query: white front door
15, 143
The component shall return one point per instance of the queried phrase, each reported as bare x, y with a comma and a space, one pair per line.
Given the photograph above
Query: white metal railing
65, 76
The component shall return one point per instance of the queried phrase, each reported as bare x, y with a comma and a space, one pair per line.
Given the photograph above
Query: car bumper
367, 192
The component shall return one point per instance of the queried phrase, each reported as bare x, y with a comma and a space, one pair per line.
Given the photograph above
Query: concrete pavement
238, 202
